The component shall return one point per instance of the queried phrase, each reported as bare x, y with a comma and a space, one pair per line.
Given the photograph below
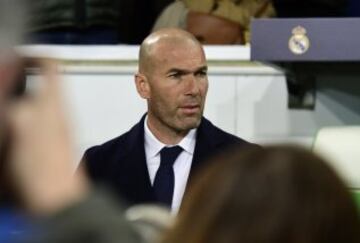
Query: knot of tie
168, 155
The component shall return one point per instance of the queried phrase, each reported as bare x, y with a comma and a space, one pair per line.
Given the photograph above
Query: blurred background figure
215, 21
270, 195
93, 21
74, 21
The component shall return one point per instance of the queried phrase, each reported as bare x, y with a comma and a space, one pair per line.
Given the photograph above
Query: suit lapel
204, 145
136, 171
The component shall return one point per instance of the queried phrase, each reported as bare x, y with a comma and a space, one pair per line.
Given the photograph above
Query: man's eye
175, 75
201, 74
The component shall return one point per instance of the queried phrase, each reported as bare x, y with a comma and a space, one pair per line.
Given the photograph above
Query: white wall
244, 98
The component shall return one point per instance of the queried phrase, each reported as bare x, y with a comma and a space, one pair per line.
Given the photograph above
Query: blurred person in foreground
270, 195
155, 159
60, 205
11, 29
40, 199
38, 164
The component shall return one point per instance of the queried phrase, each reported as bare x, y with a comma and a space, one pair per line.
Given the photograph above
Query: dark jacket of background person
269, 195
133, 19
137, 18
49, 14
310, 8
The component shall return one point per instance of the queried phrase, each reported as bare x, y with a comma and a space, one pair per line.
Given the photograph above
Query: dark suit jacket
121, 163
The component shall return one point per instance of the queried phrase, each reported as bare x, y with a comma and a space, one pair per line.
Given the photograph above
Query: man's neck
165, 134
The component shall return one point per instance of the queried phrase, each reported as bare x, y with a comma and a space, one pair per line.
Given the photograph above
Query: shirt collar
153, 145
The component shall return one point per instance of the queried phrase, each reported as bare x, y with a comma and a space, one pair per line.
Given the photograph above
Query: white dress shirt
181, 165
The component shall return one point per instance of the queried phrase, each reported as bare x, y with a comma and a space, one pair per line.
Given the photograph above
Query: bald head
149, 49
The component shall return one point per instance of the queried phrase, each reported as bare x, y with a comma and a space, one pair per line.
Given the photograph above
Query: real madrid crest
299, 43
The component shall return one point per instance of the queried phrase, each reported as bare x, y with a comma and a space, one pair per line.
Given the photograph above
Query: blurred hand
41, 156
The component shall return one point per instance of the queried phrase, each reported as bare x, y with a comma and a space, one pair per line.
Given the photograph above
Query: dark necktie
164, 180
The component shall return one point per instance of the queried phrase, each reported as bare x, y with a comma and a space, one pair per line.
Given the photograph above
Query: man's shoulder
116, 146
109, 146
219, 136
100, 160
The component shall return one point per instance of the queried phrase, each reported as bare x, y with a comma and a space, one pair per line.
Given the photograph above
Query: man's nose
192, 85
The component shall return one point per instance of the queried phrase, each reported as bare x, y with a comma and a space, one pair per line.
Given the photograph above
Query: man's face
177, 86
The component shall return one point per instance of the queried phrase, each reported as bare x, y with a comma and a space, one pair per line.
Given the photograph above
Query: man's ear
142, 85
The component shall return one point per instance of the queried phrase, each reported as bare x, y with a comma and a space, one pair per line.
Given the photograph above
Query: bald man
155, 159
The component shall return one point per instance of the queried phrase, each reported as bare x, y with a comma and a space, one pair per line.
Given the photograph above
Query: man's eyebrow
203, 68
179, 70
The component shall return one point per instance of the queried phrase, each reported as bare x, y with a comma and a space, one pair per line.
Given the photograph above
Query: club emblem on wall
299, 43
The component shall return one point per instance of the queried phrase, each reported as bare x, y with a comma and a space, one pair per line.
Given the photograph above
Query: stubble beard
179, 124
